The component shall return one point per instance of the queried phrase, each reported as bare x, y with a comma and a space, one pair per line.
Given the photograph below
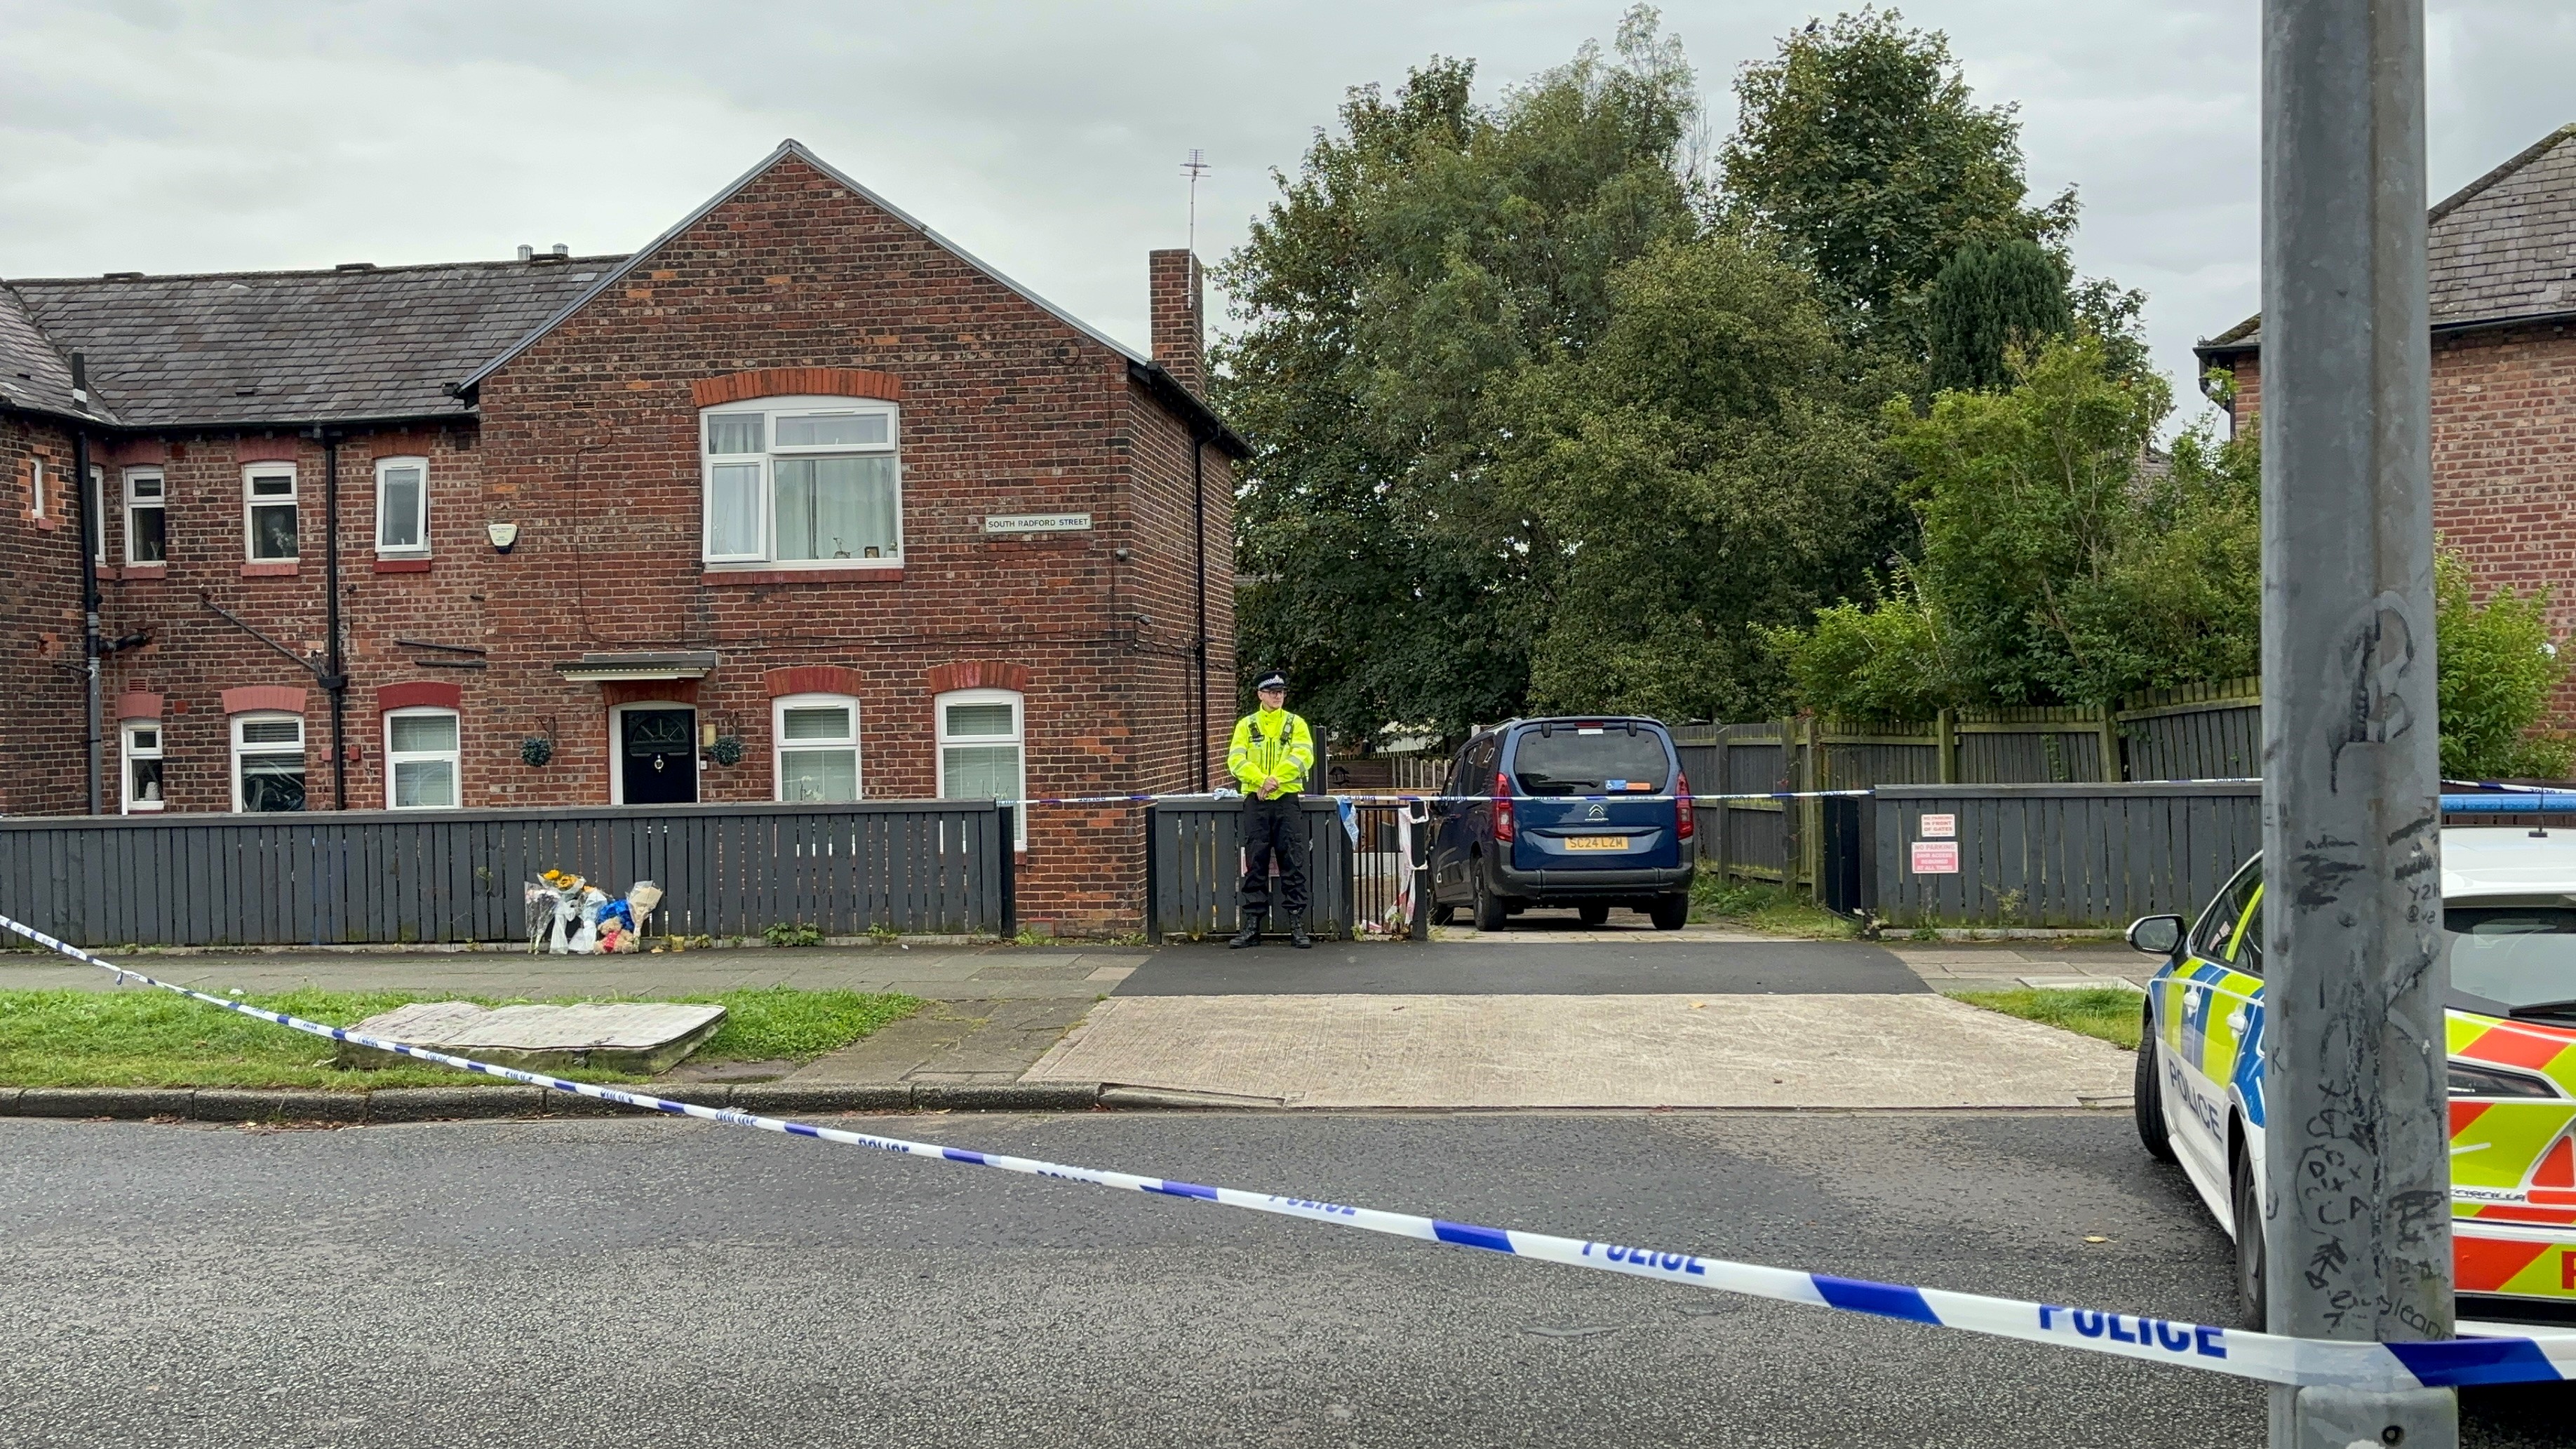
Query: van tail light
1684, 824
1504, 830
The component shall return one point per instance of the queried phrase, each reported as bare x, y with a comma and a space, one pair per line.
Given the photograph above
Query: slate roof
2500, 249
293, 347
32, 373
237, 349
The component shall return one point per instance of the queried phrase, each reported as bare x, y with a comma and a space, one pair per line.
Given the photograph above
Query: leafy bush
2498, 671
793, 933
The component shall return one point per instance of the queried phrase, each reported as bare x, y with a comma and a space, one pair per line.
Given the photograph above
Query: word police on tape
2269, 1357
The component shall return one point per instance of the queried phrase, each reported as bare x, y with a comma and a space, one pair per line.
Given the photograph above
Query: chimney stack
1177, 294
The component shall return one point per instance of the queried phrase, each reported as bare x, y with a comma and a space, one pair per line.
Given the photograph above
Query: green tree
1863, 150
1987, 302
2061, 561
1427, 252
1698, 472
2498, 672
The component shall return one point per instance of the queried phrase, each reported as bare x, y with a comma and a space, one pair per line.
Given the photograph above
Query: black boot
1298, 938
1250, 935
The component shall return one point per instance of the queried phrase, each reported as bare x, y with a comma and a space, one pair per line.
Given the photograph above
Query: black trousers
1275, 827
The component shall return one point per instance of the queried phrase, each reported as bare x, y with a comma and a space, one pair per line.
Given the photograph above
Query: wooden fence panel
1194, 854
387, 877
2072, 855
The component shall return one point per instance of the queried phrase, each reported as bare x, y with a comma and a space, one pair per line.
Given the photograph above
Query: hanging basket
727, 750
535, 751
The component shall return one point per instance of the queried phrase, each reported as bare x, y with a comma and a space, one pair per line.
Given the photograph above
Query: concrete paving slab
629, 1036
1524, 968
1879, 1051
951, 1041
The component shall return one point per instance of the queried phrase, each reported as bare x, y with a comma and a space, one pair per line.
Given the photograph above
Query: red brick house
2503, 281
800, 501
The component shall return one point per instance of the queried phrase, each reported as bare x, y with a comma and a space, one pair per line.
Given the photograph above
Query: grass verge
1774, 910
147, 1038
2109, 1012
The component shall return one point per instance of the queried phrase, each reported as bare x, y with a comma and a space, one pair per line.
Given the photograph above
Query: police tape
1447, 799
2272, 1358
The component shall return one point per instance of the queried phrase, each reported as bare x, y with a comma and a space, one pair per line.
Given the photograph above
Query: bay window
816, 742
803, 482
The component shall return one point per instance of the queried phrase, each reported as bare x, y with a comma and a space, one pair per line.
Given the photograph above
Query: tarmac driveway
1535, 968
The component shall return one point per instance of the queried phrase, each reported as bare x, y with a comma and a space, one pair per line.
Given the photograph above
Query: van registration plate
1596, 842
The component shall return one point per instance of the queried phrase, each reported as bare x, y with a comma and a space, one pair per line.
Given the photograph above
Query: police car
2509, 927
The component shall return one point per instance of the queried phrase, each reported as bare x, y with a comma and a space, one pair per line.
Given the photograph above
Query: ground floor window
981, 750
816, 737
421, 759
268, 763
142, 743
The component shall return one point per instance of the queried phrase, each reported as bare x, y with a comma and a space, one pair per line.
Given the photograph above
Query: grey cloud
1047, 138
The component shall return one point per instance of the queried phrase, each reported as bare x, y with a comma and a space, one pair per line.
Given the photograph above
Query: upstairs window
817, 742
147, 540
804, 481
402, 507
94, 513
268, 511
268, 763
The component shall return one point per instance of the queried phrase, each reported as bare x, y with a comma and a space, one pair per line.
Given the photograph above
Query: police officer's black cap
1273, 680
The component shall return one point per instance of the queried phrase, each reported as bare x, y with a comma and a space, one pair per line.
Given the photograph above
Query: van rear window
1571, 762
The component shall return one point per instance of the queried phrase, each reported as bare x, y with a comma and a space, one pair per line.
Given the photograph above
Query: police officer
1272, 753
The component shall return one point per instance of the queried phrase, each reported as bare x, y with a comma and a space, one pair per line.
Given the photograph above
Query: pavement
595, 1284
1912, 1050
1548, 1013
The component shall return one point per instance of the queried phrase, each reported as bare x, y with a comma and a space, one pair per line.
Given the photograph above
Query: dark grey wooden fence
1194, 863
2062, 855
405, 876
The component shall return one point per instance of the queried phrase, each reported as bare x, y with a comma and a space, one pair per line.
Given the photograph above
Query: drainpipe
335, 677
1198, 510
91, 531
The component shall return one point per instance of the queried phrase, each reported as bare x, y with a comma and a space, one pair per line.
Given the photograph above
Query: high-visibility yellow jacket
1267, 743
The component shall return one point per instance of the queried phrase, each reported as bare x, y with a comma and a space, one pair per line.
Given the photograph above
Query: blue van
1589, 812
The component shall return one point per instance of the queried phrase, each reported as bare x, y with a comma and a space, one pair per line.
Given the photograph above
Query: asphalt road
1535, 968
622, 1282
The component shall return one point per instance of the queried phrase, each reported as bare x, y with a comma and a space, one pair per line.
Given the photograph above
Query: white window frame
770, 410
129, 753
293, 498
233, 730
159, 503
36, 486
95, 514
1019, 737
454, 758
421, 515
780, 747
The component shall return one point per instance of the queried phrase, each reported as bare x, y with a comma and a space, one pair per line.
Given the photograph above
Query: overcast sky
167, 137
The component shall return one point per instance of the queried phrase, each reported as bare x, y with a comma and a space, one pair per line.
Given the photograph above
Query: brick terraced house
2503, 281
800, 501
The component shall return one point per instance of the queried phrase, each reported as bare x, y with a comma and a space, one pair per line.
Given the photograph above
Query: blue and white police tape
1450, 799
2268, 1357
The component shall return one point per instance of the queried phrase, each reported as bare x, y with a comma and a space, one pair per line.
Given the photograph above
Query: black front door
658, 750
